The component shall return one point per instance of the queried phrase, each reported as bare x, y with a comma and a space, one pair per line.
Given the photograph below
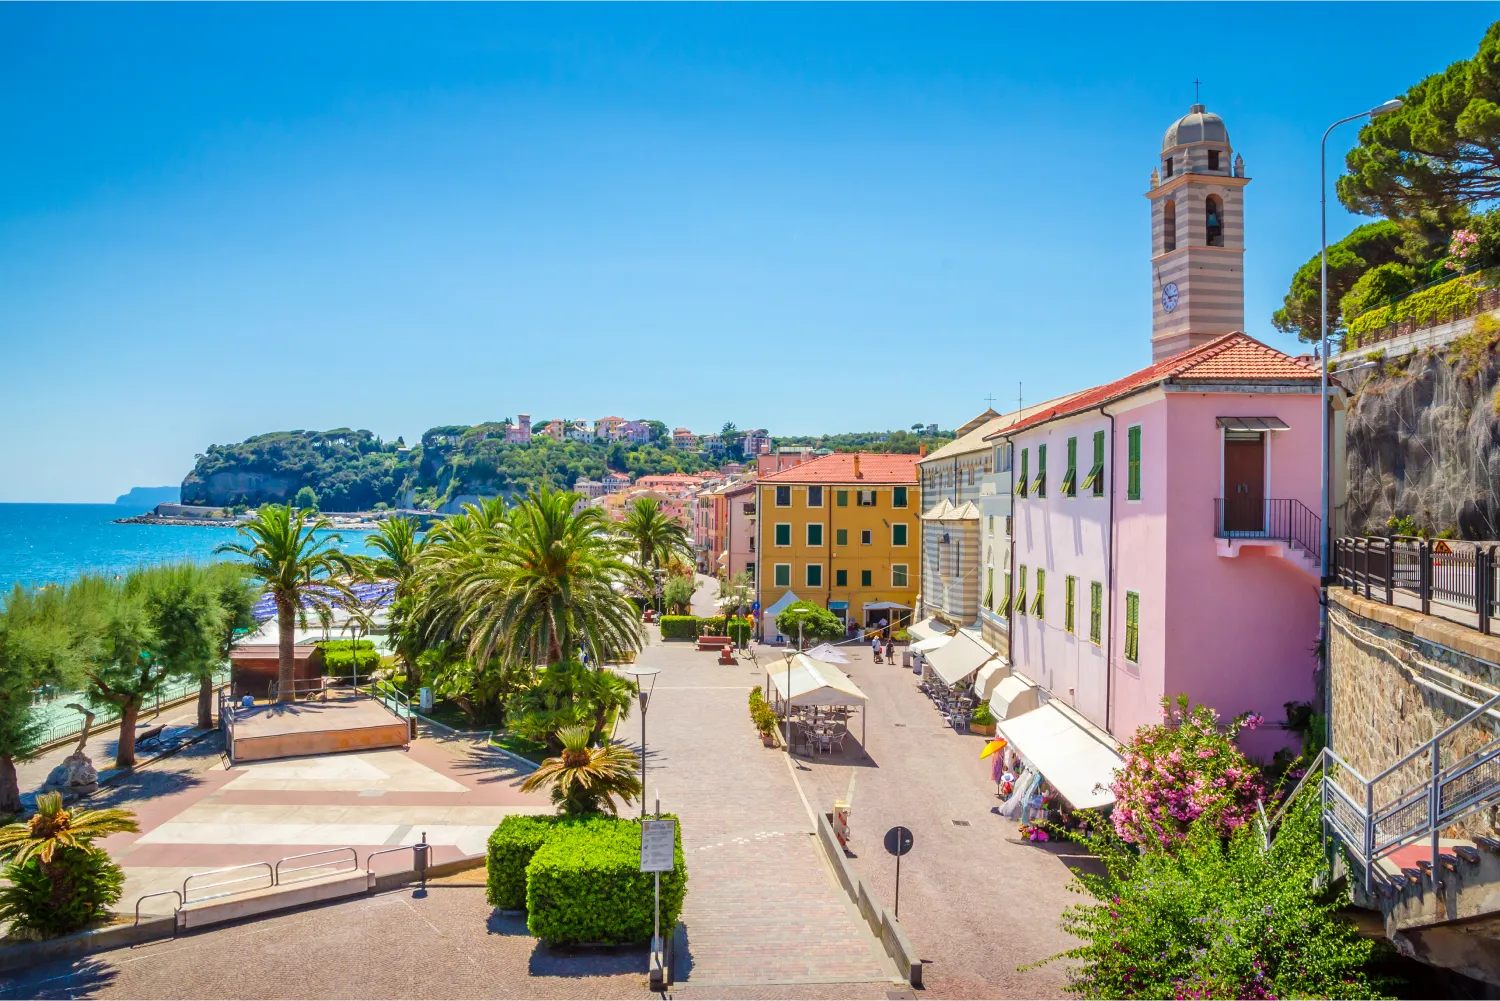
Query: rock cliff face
1423, 439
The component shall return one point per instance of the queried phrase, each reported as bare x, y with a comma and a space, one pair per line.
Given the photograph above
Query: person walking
875, 646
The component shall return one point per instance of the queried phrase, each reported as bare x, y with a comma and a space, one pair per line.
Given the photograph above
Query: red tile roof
839, 468
1235, 357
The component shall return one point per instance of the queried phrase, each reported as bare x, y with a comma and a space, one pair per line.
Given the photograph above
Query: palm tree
52, 829
658, 540
400, 547
587, 779
299, 571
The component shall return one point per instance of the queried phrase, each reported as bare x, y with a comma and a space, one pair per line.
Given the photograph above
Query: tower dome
1197, 126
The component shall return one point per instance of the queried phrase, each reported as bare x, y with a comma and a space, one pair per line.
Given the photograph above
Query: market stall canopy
1077, 764
990, 676
880, 606
927, 629
813, 683
959, 659
780, 605
1013, 696
828, 654
929, 645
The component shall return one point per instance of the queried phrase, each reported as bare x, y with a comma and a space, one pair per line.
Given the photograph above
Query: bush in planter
761, 713
584, 885
982, 715
679, 627
511, 847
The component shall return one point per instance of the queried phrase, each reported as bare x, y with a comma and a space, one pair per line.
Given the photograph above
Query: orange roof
839, 468
1235, 357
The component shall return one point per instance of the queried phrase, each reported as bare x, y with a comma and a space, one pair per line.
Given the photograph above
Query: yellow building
842, 531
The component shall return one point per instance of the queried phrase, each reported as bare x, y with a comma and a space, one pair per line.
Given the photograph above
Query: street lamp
644, 694
1375, 112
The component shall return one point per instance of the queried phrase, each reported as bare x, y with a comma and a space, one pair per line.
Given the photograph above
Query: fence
1283, 519
60, 722
1451, 579
1486, 300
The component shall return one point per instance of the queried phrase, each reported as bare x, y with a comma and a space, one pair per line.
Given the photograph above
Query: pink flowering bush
1464, 245
1181, 769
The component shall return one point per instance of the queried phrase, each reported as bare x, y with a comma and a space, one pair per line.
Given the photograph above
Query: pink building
740, 518
519, 433
1166, 537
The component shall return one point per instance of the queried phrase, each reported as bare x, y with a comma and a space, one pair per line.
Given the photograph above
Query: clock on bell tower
1197, 236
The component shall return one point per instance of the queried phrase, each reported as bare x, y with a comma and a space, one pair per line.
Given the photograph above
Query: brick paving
975, 900
762, 906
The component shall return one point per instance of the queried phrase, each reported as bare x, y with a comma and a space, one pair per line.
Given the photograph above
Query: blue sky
220, 220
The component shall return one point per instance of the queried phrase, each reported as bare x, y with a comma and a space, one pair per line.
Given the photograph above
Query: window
1213, 159
866, 498
1021, 483
1133, 468
991, 526
898, 497
1096, 610
841, 536
1039, 485
1004, 607
1008, 528
1070, 478
1095, 479
750, 570
1002, 458
1070, 593
815, 533
814, 496
1132, 627
1021, 591
898, 534
971, 476
989, 587
841, 498
1038, 607
783, 496
865, 578
865, 537
815, 575
1167, 172
841, 578
1169, 226
898, 575
1213, 220
781, 575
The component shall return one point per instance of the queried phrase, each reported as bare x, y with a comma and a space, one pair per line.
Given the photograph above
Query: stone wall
1393, 674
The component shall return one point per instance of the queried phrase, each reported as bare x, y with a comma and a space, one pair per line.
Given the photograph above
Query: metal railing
158, 893
1449, 578
394, 698
1278, 519
60, 723
333, 865
267, 866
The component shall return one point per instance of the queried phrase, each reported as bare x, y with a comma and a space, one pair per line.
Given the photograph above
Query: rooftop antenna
1018, 398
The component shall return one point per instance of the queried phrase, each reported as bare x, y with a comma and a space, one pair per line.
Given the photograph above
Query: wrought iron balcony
1270, 519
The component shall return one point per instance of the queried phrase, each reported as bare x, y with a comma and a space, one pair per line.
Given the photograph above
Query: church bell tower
1197, 236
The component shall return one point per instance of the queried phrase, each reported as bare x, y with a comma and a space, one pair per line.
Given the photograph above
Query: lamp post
1375, 112
644, 694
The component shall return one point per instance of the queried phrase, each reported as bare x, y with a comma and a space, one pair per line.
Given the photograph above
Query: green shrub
511, 847
982, 715
72, 891
1436, 304
737, 629
761, 713
679, 627
584, 885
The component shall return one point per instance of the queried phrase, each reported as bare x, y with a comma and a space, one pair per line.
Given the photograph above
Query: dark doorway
1244, 481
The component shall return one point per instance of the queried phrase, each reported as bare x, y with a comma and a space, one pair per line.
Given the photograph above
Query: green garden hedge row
581, 879
679, 627
688, 627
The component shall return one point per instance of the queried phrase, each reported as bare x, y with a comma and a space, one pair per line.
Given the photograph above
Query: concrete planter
768, 739
984, 730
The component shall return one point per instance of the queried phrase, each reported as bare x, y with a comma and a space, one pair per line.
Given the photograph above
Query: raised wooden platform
293, 729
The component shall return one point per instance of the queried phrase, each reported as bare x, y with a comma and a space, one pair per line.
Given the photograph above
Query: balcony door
1245, 481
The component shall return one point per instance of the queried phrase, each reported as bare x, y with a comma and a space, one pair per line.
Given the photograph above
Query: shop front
1054, 765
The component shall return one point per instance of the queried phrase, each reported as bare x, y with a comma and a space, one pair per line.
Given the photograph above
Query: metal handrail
388, 851
384, 690
354, 859
158, 893
270, 871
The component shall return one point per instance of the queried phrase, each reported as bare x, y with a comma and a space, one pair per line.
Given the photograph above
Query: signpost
658, 844
898, 842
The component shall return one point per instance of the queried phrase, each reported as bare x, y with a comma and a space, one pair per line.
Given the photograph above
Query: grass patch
531, 750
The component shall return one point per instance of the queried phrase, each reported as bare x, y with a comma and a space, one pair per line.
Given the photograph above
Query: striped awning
1253, 424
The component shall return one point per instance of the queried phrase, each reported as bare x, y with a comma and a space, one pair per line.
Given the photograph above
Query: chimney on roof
857, 474
922, 451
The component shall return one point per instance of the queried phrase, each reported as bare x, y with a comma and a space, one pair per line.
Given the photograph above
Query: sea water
53, 543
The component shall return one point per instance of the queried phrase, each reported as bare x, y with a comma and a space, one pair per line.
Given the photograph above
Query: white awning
1012, 697
879, 606
956, 661
928, 645
828, 654
813, 683
1067, 755
927, 629
989, 676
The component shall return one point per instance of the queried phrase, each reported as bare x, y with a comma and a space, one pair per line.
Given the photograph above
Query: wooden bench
714, 642
147, 736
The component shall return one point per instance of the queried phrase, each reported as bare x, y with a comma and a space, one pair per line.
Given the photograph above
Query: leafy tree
817, 623
736, 594
297, 569
1369, 246
306, 498
57, 881
38, 645
657, 539
1376, 287
659, 432
1441, 149
678, 594
236, 597
570, 693
399, 545
586, 779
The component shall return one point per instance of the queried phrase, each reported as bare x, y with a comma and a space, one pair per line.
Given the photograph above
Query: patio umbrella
993, 747
828, 654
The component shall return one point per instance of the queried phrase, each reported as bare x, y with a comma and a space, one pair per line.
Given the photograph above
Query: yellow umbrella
992, 747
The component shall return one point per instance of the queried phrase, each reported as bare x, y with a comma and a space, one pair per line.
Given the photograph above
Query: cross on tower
990, 401
1196, 84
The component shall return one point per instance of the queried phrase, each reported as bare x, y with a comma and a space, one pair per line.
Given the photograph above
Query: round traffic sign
898, 840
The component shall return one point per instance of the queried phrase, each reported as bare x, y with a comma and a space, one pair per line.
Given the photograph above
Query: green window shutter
864, 578
898, 575
782, 575
898, 534
1095, 479
898, 497
1004, 608
1021, 483
842, 498
1070, 588
841, 578
841, 536
1132, 626
1133, 480
989, 587
1039, 607
1021, 591
783, 535
1039, 485
814, 575
1070, 478
814, 534
1096, 607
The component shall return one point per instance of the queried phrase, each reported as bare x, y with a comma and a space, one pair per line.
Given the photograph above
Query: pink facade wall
741, 534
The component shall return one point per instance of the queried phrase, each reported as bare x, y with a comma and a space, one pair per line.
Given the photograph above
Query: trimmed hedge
679, 627
338, 659
511, 847
584, 885
690, 627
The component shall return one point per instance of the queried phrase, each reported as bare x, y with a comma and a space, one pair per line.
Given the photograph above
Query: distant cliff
1423, 438
146, 498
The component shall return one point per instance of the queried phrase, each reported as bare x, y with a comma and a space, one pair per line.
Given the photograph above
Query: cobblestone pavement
762, 904
446, 944
975, 901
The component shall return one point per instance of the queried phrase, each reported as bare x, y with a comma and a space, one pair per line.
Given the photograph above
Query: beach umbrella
828, 654
993, 747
